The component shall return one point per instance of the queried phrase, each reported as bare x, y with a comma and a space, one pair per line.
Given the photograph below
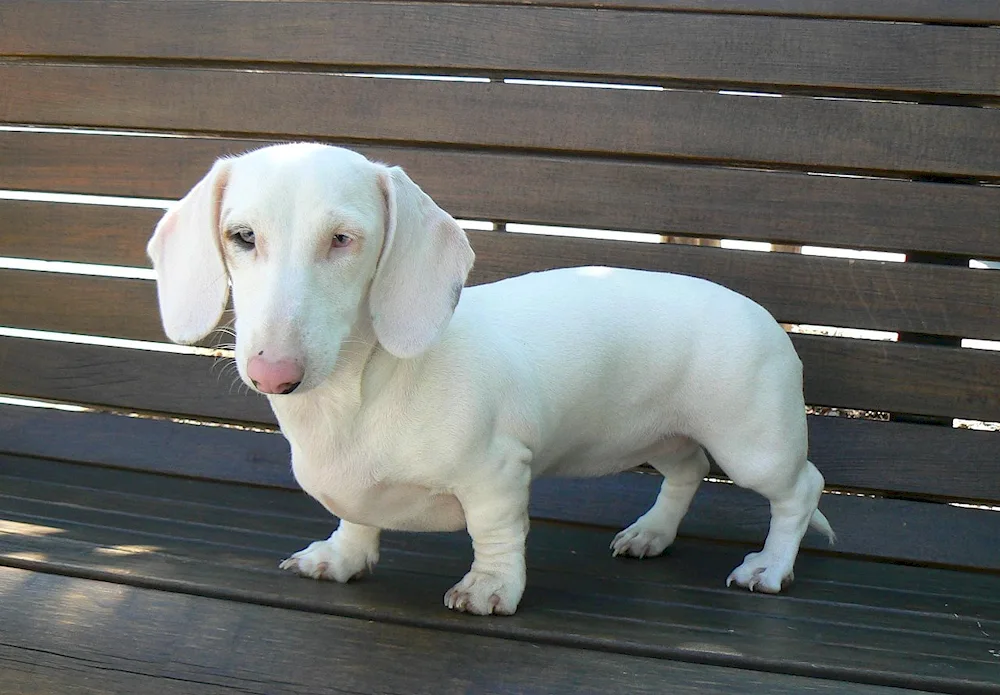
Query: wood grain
506, 40
799, 132
874, 214
796, 289
899, 458
140, 641
895, 377
838, 611
969, 12
78, 233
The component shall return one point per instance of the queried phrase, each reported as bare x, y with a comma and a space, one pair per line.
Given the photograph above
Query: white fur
404, 420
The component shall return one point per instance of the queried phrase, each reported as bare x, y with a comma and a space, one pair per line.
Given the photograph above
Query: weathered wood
902, 459
795, 289
826, 291
140, 641
858, 621
917, 379
875, 214
560, 42
969, 12
78, 233
800, 132
111, 307
911, 532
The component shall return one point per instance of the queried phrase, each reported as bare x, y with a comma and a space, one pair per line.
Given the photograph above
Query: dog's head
313, 240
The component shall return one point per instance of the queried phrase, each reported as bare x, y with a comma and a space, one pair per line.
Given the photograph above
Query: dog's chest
350, 489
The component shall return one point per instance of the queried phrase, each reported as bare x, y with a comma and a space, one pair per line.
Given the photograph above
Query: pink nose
281, 376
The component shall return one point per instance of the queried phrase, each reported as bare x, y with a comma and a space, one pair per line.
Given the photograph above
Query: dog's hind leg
793, 509
683, 470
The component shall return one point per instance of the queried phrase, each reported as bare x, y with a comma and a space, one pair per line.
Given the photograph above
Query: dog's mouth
287, 388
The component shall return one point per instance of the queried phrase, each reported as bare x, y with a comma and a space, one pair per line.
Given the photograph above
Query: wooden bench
145, 506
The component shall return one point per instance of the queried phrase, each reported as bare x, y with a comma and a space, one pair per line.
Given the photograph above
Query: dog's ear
191, 279
421, 271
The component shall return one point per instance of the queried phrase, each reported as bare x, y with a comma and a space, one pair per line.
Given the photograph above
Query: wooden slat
972, 12
900, 458
897, 377
140, 640
516, 40
903, 626
792, 131
274, 521
795, 289
709, 201
110, 307
78, 233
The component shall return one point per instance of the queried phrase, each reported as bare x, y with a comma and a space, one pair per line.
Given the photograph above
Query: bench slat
937, 11
676, 608
799, 132
901, 458
895, 377
771, 53
676, 199
874, 295
140, 640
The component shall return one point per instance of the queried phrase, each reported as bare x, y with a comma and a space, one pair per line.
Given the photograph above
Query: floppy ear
425, 260
191, 279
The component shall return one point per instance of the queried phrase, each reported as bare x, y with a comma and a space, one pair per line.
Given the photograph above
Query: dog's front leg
496, 515
349, 552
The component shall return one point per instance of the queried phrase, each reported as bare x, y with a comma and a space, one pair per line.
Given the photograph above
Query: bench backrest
798, 123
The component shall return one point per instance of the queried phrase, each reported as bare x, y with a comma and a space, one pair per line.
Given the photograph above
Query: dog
414, 403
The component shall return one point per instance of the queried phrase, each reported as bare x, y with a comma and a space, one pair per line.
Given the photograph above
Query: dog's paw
640, 541
485, 594
331, 559
759, 572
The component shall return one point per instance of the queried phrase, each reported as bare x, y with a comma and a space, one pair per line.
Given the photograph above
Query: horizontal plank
973, 12
508, 40
840, 613
900, 458
81, 304
266, 521
877, 214
140, 640
875, 295
78, 233
794, 288
895, 377
799, 132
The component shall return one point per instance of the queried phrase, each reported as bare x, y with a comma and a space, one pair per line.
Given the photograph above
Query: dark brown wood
797, 132
157, 445
902, 459
970, 12
701, 201
870, 374
140, 641
506, 40
79, 233
111, 307
216, 515
918, 379
795, 289
842, 619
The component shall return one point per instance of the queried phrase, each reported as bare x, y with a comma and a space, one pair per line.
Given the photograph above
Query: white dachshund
407, 409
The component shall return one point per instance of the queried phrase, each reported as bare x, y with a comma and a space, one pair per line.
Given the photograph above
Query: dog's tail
819, 522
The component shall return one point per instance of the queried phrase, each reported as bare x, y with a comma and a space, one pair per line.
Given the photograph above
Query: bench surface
145, 506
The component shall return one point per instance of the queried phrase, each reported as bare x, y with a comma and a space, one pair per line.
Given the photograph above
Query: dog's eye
341, 240
243, 236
